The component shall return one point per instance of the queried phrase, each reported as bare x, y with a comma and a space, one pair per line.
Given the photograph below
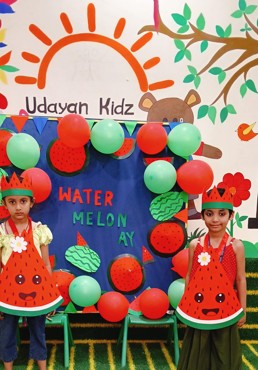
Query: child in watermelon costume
213, 305
26, 286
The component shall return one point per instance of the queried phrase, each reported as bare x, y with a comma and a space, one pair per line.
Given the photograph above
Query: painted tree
238, 68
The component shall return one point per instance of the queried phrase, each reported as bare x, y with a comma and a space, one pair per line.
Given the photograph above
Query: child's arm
240, 277
45, 257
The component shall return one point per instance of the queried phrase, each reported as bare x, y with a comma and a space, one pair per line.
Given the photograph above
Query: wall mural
112, 63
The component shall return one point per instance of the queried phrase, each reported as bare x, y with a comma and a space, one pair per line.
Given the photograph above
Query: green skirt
211, 349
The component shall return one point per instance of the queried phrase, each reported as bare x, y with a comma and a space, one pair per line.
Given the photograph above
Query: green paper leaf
202, 111
231, 109
223, 114
188, 78
200, 23
220, 31
187, 12
204, 45
8, 68
228, 31
188, 54
183, 29
237, 14
221, 77
179, 19
242, 4
215, 71
212, 113
197, 81
251, 85
243, 90
250, 9
179, 44
192, 70
179, 56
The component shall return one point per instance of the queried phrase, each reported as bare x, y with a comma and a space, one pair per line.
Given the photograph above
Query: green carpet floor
105, 355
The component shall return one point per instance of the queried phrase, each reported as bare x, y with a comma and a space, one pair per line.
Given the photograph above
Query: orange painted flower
238, 187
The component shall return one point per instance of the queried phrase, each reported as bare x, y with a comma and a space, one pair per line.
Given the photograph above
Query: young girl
20, 235
217, 349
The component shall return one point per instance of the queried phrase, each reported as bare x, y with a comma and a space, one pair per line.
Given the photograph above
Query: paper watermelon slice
27, 288
147, 257
210, 301
126, 149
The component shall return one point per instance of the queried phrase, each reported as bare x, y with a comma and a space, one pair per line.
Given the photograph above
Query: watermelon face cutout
167, 238
26, 287
126, 274
209, 301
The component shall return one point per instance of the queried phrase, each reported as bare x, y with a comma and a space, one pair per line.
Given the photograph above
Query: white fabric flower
204, 258
18, 244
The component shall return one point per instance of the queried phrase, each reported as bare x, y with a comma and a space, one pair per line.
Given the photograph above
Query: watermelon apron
210, 301
26, 287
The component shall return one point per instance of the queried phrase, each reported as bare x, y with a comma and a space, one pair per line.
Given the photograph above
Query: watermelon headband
213, 199
15, 186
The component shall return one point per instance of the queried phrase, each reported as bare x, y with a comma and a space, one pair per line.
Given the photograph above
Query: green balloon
84, 291
184, 139
176, 291
23, 151
107, 136
160, 176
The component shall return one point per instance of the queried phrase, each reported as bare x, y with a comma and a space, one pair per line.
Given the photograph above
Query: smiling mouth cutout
27, 297
210, 311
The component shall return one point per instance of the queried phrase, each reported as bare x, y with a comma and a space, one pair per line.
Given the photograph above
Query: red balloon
73, 130
180, 262
151, 138
195, 177
113, 306
41, 183
154, 303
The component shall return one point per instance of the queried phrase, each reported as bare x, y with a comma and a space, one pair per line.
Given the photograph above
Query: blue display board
107, 204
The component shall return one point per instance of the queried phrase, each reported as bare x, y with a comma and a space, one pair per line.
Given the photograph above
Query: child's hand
52, 313
241, 321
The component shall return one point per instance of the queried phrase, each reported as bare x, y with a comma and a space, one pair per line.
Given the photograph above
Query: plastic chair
169, 320
59, 319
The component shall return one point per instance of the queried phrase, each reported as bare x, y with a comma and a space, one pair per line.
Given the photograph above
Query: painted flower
238, 187
204, 258
18, 244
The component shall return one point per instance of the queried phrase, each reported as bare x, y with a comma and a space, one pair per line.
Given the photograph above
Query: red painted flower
238, 187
